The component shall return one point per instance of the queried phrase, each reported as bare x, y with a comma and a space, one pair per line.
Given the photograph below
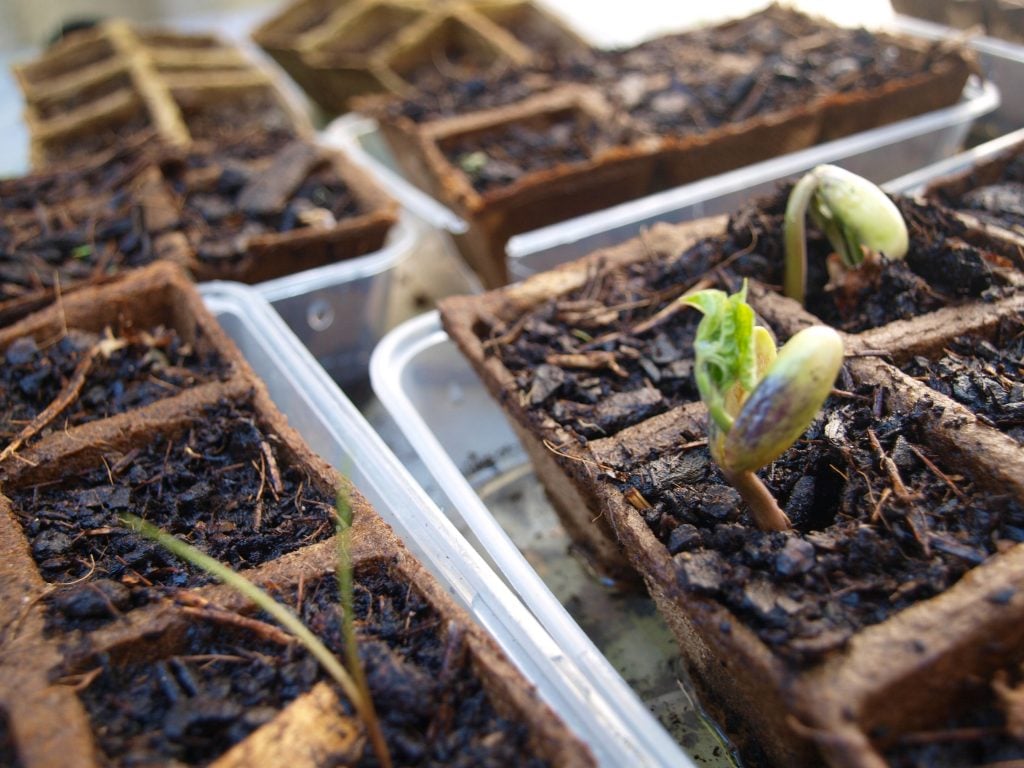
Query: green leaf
726, 352
81, 252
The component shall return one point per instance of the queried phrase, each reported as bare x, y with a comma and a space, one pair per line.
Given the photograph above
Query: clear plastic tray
916, 181
1001, 62
333, 427
482, 477
880, 154
340, 311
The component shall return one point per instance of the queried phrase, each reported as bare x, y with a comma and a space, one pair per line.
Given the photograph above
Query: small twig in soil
876, 512
508, 336
58, 299
257, 515
637, 500
275, 475
209, 658
81, 681
669, 310
603, 467
589, 361
64, 398
257, 627
878, 406
938, 472
844, 394
898, 487
125, 461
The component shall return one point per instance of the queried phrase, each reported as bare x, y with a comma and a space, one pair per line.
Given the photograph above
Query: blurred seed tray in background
100, 86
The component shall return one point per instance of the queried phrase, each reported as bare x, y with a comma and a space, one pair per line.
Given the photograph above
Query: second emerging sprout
759, 400
854, 214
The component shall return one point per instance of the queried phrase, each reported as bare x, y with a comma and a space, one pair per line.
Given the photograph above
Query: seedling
353, 680
856, 216
759, 400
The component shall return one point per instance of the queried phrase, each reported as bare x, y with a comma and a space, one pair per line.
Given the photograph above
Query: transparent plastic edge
982, 43
978, 99
915, 181
387, 361
346, 133
401, 242
560, 682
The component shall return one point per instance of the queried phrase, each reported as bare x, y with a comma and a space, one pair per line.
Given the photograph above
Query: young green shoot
855, 215
352, 681
759, 400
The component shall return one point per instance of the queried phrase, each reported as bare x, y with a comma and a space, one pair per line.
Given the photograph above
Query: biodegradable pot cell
509, 169
253, 212
83, 224
141, 658
698, 103
902, 578
97, 88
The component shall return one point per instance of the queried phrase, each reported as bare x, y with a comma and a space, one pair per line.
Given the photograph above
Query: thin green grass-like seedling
357, 694
346, 595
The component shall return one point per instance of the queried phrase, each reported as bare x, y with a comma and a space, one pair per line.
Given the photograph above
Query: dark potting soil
222, 486
238, 117
24, 195
219, 228
191, 708
498, 158
587, 361
985, 375
690, 83
980, 734
940, 268
862, 550
8, 752
1000, 201
128, 372
85, 145
57, 248
591, 362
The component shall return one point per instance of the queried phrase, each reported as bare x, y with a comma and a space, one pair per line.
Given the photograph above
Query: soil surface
863, 547
213, 188
940, 268
85, 145
593, 361
235, 116
25, 195
222, 486
1001, 201
986, 375
224, 684
60, 246
128, 372
687, 84
499, 158
979, 735
617, 351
